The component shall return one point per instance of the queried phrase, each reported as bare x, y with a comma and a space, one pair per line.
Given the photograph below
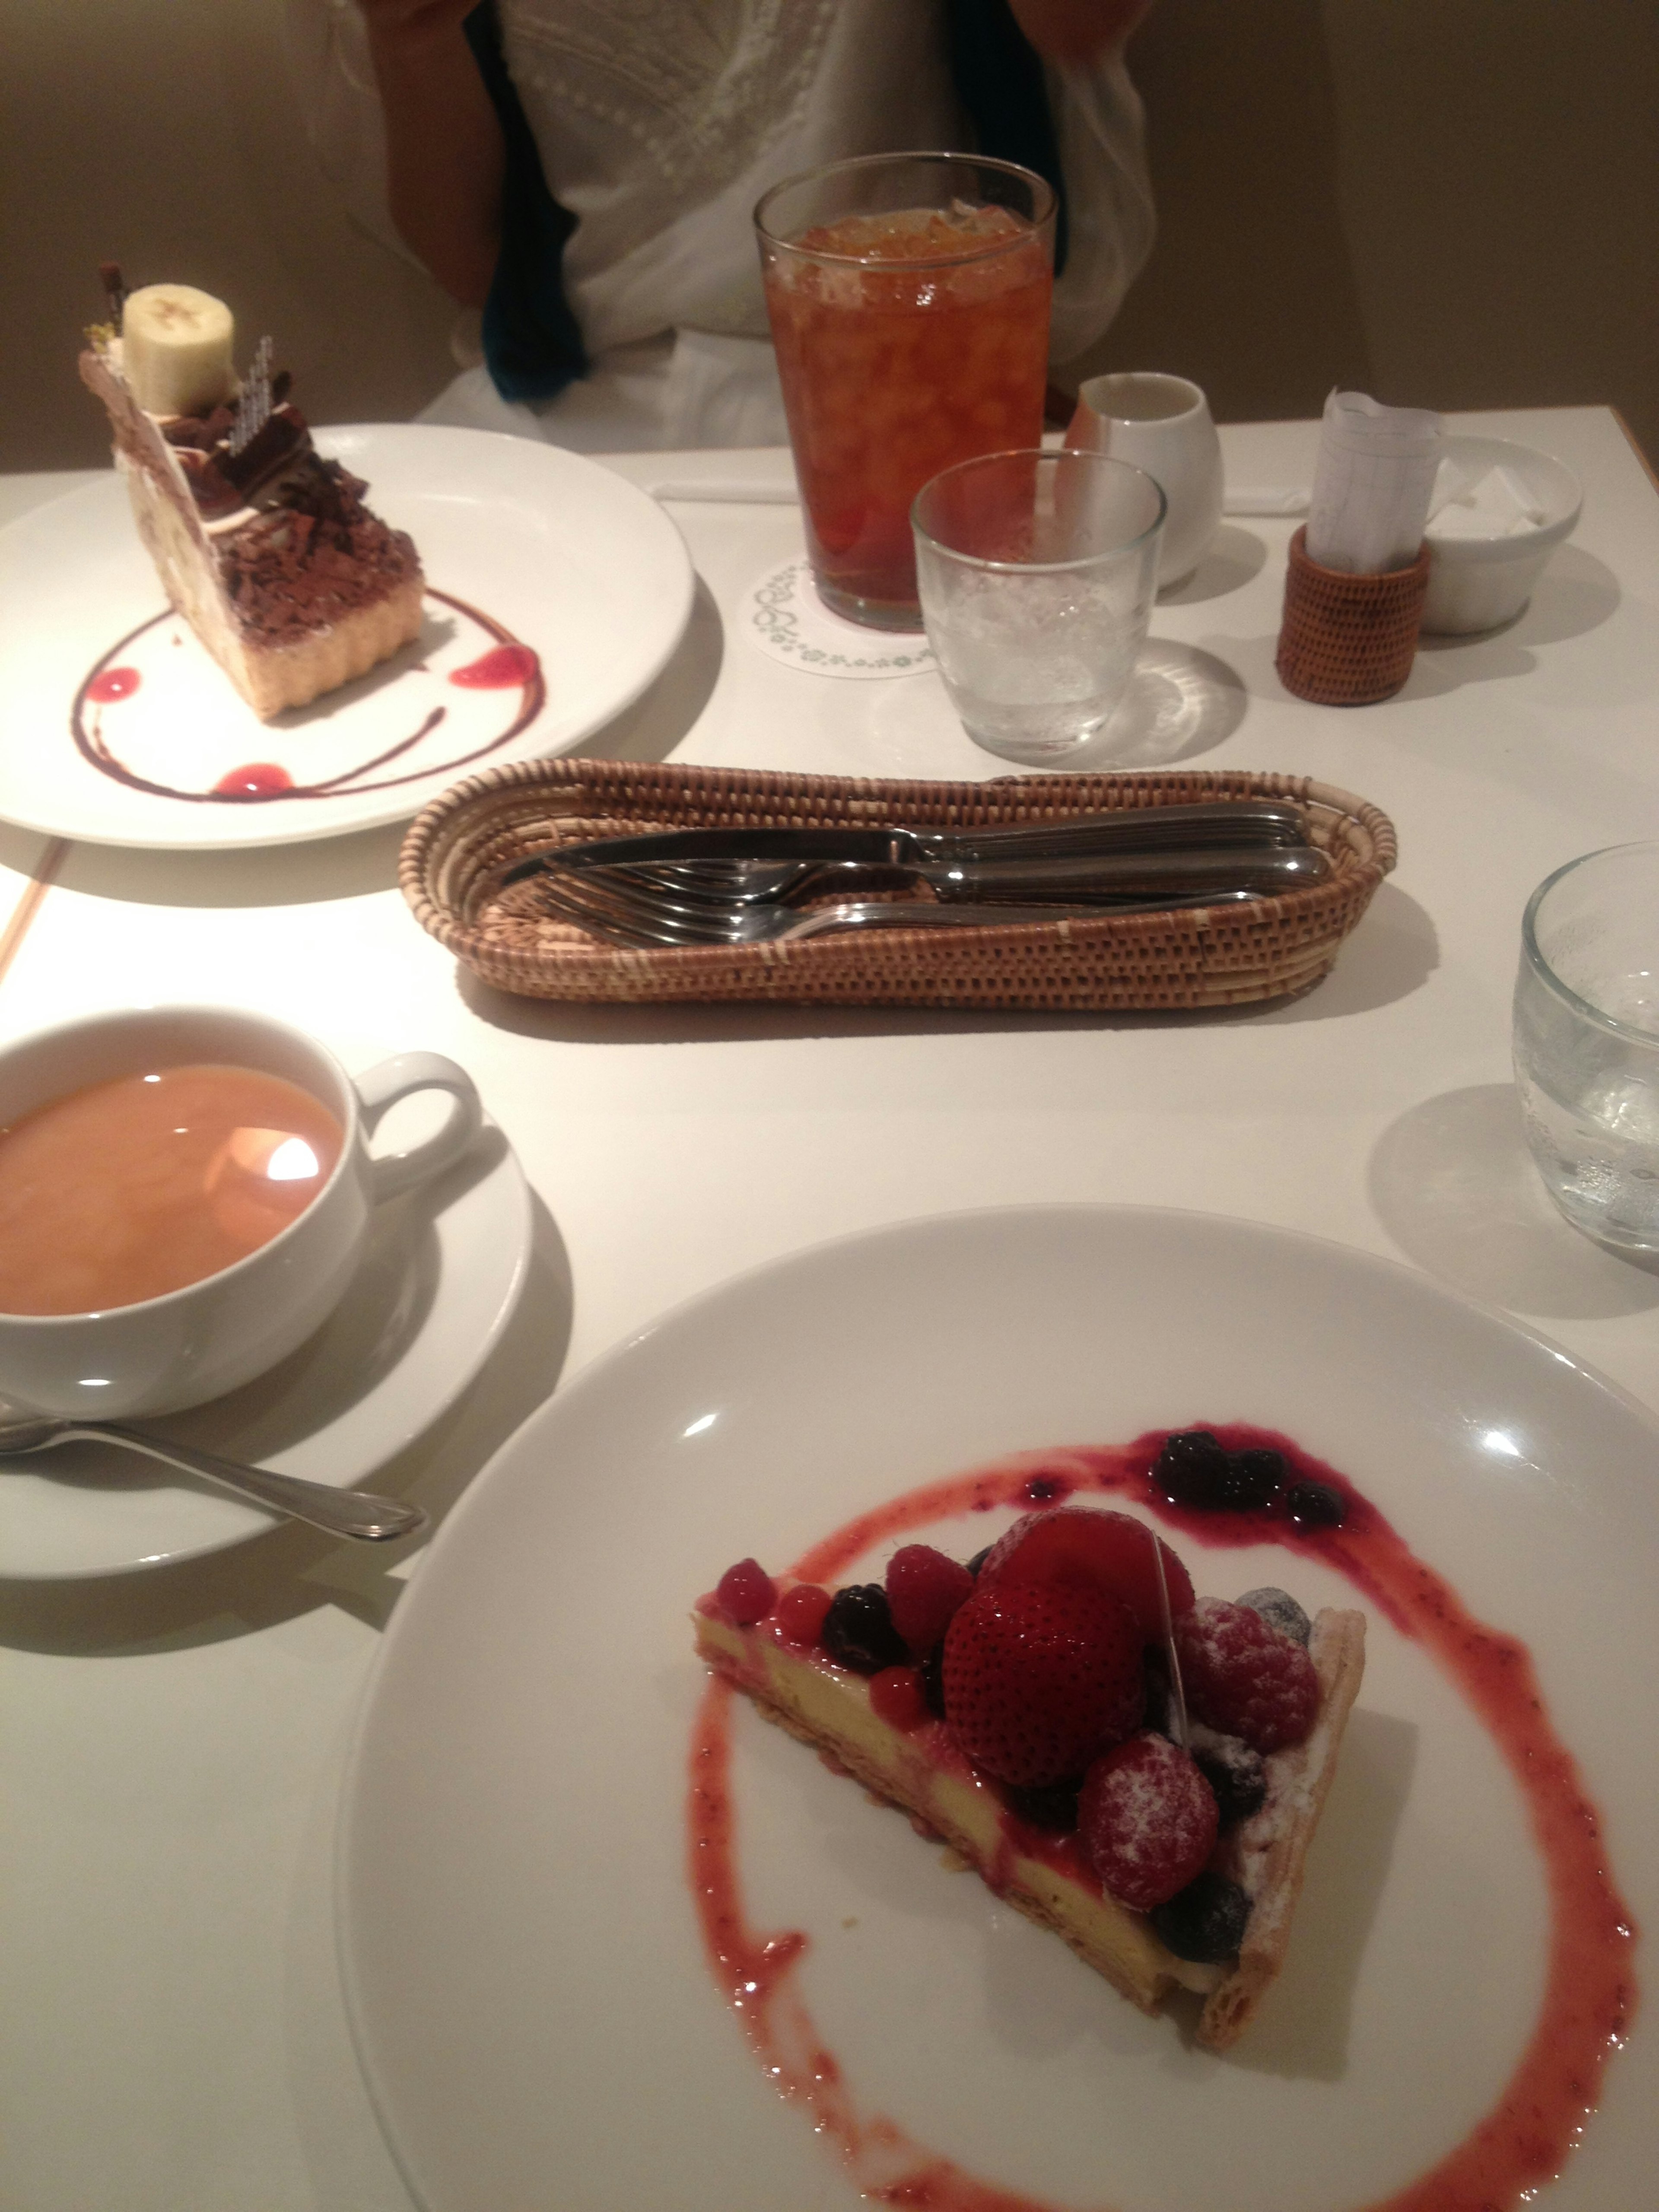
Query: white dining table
174, 1740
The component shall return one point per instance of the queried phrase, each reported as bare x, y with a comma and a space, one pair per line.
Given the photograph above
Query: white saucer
438, 1281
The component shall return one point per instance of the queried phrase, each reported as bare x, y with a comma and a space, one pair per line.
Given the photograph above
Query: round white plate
440, 1277
533, 2008
568, 558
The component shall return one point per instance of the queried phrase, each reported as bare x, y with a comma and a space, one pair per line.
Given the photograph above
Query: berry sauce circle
506, 665
1590, 1994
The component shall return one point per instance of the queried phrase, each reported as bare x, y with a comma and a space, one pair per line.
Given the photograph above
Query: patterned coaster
787, 619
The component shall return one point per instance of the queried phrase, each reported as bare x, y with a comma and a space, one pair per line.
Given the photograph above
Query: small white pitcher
1161, 424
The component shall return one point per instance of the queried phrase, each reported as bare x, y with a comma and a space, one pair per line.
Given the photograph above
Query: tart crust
924, 1775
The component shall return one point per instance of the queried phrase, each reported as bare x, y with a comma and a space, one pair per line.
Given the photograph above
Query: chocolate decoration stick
115, 290
254, 410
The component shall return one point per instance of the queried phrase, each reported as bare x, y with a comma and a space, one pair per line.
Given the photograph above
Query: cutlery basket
1196, 957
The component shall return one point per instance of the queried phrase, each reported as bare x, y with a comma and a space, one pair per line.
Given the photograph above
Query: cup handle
382, 1086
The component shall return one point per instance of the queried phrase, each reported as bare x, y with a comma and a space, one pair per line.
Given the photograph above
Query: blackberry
1280, 1611
1205, 1922
933, 1681
979, 1559
1237, 1775
1315, 1505
859, 1633
1255, 1478
1050, 1805
1193, 1469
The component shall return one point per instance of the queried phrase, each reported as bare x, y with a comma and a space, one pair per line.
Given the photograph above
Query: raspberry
800, 1614
859, 1632
1244, 1677
896, 1697
1147, 1821
1041, 1678
924, 1588
1113, 1551
746, 1593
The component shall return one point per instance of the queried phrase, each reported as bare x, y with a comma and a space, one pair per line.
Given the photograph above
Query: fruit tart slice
1021, 1709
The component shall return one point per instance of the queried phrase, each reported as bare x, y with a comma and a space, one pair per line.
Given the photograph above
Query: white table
174, 1742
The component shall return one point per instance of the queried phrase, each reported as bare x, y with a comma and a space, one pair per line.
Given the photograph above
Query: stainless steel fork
642, 923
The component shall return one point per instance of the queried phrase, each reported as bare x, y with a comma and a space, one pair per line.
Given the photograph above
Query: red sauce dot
258, 779
113, 683
498, 671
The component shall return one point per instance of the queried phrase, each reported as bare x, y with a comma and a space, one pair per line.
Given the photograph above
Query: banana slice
176, 349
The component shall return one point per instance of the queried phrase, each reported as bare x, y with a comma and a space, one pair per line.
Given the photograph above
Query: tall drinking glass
909, 297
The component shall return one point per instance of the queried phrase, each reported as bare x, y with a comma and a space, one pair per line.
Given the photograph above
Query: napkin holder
1348, 640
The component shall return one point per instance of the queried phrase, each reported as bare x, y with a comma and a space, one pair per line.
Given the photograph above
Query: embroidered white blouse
659, 123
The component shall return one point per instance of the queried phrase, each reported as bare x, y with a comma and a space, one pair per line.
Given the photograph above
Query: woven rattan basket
1197, 956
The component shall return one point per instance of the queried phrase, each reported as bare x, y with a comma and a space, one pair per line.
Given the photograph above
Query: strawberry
1041, 1677
1244, 1676
1147, 1821
924, 1588
1112, 1550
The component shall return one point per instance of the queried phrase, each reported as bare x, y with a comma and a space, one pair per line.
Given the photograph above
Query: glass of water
1037, 572
1587, 1042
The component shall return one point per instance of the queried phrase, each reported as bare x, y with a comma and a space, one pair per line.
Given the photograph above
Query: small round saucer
439, 1280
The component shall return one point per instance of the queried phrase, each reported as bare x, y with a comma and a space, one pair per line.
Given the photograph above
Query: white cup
1161, 424
193, 1344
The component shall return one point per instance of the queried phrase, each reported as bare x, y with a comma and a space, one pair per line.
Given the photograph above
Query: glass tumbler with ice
1587, 1042
1037, 572
908, 295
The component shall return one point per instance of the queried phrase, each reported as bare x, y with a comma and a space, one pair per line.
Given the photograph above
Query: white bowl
1476, 583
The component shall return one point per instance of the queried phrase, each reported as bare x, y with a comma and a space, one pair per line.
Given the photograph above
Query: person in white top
656, 125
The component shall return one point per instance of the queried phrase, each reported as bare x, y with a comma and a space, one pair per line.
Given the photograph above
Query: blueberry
1048, 1805
978, 1560
1280, 1611
1205, 1922
859, 1632
1193, 1469
1315, 1505
1237, 1775
1255, 1478
933, 1681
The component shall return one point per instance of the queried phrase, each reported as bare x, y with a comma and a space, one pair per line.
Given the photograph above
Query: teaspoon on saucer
339, 1512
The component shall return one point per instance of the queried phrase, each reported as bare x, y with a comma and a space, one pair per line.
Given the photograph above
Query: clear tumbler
1037, 573
1587, 1042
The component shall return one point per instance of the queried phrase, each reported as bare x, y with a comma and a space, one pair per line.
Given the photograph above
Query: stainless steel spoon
339, 1512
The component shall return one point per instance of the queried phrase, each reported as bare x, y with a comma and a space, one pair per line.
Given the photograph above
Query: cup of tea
1161, 424
908, 295
184, 1192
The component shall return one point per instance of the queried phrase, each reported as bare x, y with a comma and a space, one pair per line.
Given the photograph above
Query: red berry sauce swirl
1591, 1993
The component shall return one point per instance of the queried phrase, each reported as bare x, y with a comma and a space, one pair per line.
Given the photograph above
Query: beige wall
1450, 202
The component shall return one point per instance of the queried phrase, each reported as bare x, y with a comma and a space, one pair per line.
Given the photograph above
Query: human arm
1078, 30
443, 148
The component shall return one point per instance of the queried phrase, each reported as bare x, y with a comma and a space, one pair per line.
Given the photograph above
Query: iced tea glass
909, 297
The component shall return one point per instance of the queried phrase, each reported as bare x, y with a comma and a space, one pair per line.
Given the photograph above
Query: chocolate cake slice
265, 548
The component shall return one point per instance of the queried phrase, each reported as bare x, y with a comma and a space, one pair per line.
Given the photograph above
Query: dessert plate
439, 1280
123, 730
532, 2009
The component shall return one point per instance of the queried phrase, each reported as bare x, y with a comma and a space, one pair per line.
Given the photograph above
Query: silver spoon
340, 1512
